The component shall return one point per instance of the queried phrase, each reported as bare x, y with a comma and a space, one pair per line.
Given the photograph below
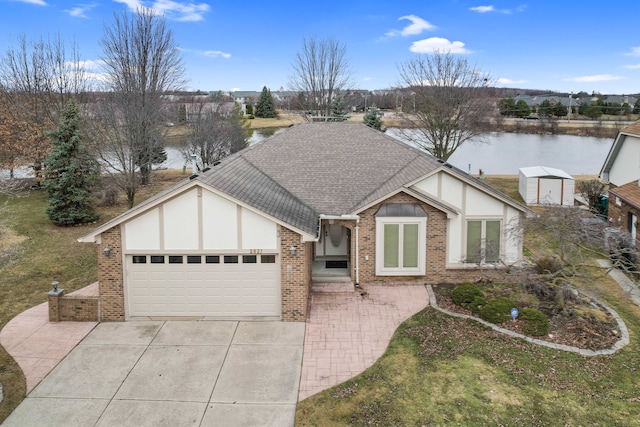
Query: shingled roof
315, 169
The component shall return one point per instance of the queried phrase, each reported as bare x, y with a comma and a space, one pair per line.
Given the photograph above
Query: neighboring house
622, 164
624, 207
621, 170
318, 201
541, 185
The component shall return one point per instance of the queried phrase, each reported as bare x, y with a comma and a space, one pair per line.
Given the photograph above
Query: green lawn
439, 371
33, 252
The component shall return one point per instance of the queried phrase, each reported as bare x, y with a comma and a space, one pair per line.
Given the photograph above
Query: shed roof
544, 172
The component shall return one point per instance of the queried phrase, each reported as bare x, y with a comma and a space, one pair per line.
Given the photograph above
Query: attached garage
220, 286
541, 185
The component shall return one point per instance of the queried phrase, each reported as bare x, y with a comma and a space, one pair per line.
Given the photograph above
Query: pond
505, 153
501, 153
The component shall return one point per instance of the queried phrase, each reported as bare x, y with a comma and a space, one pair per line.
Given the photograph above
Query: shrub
497, 310
548, 265
535, 323
475, 305
465, 293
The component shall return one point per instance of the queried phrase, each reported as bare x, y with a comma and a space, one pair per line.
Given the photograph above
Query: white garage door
229, 286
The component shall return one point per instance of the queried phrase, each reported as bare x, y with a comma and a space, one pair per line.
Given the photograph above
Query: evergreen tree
507, 106
522, 109
372, 119
337, 109
265, 107
182, 114
71, 173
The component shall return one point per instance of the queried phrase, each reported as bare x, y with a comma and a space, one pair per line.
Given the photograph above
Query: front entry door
334, 241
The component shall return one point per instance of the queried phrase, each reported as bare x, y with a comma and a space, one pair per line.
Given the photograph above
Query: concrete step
332, 287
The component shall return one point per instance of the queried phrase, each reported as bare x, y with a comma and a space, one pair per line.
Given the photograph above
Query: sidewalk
38, 345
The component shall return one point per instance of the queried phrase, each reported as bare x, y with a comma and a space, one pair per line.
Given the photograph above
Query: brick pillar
54, 304
110, 278
295, 276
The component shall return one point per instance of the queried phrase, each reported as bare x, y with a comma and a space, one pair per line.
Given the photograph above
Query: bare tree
142, 62
37, 79
216, 129
449, 102
319, 70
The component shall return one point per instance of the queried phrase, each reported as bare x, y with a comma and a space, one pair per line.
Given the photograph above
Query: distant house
541, 185
316, 202
621, 170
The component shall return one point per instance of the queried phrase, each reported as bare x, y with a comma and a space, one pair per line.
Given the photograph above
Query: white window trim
483, 240
381, 270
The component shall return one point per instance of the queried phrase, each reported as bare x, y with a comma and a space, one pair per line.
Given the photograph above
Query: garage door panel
212, 290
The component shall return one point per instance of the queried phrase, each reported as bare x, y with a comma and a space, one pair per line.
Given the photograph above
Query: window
268, 259
175, 259
212, 259
139, 259
249, 259
400, 246
231, 259
483, 241
194, 259
157, 259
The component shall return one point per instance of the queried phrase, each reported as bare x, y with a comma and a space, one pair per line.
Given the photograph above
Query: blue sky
244, 45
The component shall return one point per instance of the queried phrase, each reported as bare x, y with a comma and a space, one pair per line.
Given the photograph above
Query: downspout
357, 253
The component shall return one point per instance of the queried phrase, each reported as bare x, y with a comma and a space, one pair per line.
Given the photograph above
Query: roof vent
195, 175
440, 160
207, 169
216, 163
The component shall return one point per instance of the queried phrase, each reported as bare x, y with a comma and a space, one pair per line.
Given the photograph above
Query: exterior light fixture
292, 250
54, 285
107, 251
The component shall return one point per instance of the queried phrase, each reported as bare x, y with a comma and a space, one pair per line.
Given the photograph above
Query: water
499, 153
505, 153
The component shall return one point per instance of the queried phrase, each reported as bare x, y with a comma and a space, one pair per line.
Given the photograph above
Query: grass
33, 252
439, 370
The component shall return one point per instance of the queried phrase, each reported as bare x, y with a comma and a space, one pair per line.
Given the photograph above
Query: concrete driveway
173, 373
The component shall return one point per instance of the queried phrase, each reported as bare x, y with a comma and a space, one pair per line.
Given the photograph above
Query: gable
460, 194
198, 220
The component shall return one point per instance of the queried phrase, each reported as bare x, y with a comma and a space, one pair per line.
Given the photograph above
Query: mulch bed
586, 332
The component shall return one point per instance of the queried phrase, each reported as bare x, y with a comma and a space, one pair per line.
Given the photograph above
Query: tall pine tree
71, 173
265, 107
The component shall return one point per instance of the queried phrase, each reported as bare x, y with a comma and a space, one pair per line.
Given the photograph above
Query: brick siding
295, 276
436, 251
110, 273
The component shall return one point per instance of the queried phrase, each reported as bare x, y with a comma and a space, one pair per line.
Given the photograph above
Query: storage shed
541, 185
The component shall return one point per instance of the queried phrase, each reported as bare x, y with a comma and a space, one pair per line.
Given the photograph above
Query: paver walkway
38, 345
347, 332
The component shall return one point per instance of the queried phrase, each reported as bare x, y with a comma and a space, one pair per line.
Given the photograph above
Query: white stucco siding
479, 203
143, 232
452, 190
626, 167
220, 222
428, 186
258, 232
180, 225
512, 232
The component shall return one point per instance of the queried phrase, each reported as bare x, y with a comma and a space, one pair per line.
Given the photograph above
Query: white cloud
635, 51
490, 8
438, 44
216, 54
633, 67
594, 78
506, 81
235, 89
367, 79
37, 2
417, 26
81, 10
482, 9
176, 10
